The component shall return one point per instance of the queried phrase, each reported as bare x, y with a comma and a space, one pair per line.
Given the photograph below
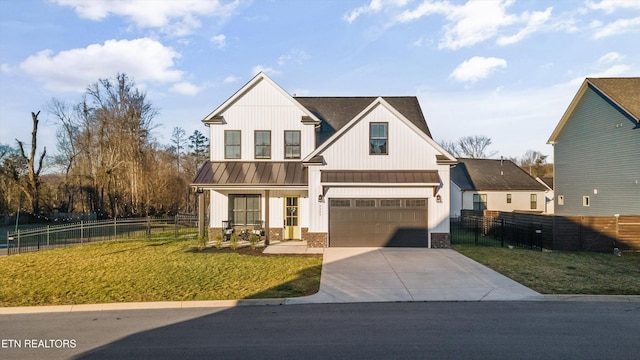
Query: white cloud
618, 27
610, 57
6, 69
220, 41
619, 70
535, 21
477, 68
609, 6
175, 17
265, 69
185, 88
295, 55
373, 7
230, 79
73, 70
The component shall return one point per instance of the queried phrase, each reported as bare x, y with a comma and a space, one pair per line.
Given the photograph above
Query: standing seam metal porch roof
238, 173
380, 176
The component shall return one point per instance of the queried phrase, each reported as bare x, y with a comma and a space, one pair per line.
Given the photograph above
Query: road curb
140, 306
595, 298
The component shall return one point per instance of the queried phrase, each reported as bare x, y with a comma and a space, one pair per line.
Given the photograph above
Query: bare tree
473, 147
31, 186
178, 139
534, 162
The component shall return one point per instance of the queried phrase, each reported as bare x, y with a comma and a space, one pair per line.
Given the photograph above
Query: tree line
108, 163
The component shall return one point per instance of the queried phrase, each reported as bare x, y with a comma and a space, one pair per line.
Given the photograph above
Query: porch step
291, 247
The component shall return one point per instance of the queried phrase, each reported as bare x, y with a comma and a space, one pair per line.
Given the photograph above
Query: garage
378, 223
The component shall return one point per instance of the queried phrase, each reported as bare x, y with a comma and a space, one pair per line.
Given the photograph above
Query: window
586, 201
292, 144
390, 203
232, 144
340, 202
560, 199
263, 144
244, 209
415, 203
508, 198
378, 136
479, 201
365, 203
534, 201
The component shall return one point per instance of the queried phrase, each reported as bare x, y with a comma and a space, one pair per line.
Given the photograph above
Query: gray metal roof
282, 173
380, 176
492, 175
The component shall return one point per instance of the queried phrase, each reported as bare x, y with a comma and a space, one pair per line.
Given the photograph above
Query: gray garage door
378, 222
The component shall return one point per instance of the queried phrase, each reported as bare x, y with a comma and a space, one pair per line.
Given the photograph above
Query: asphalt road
429, 330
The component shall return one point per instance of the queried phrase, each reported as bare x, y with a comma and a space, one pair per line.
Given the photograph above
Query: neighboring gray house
597, 150
487, 184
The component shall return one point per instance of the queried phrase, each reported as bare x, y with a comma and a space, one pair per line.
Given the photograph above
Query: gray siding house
597, 150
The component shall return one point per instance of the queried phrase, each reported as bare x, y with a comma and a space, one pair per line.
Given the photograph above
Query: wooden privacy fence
573, 233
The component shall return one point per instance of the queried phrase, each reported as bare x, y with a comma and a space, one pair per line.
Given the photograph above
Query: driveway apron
409, 274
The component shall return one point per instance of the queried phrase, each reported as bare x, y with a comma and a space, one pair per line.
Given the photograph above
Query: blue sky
506, 69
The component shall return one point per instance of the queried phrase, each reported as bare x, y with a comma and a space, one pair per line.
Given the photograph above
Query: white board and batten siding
262, 108
597, 154
407, 150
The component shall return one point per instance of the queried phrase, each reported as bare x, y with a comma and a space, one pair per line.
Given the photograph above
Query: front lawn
155, 270
562, 272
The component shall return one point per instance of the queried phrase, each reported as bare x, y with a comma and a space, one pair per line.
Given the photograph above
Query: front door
292, 218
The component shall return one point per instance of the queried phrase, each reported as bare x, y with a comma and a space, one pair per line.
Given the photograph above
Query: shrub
253, 240
233, 242
217, 242
202, 242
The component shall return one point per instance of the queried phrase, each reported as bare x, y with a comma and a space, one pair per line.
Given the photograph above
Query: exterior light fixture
320, 198
438, 198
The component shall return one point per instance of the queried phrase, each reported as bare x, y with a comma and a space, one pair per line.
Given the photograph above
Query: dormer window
378, 138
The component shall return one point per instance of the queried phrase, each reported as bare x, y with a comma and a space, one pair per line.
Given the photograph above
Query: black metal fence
54, 236
484, 231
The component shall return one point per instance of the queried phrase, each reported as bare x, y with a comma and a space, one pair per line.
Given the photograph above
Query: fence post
502, 232
148, 228
115, 228
18, 241
176, 225
81, 232
48, 236
8, 249
476, 230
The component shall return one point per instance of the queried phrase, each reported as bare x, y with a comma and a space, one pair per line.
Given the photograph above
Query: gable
622, 94
259, 92
408, 146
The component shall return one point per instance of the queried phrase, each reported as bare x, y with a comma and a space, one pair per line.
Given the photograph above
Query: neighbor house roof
241, 173
492, 175
338, 111
622, 93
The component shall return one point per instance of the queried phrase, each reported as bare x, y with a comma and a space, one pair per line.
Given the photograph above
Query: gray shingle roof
624, 91
492, 175
335, 112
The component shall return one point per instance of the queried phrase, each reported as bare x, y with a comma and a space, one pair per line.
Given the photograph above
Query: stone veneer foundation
440, 241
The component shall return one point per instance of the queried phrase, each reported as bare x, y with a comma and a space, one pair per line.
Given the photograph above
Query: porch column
266, 217
201, 216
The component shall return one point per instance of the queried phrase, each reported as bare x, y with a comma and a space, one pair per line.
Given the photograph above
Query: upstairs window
292, 144
263, 144
508, 198
232, 144
378, 138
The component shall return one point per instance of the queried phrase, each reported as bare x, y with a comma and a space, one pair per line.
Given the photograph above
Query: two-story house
334, 171
596, 148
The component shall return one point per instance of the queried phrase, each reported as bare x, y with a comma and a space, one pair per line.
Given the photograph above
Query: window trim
299, 145
244, 211
533, 198
255, 145
509, 198
386, 138
586, 201
239, 145
483, 200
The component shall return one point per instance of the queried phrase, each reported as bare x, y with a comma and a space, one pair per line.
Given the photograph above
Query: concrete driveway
409, 274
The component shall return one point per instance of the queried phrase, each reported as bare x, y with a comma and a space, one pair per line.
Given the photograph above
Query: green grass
562, 272
155, 270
